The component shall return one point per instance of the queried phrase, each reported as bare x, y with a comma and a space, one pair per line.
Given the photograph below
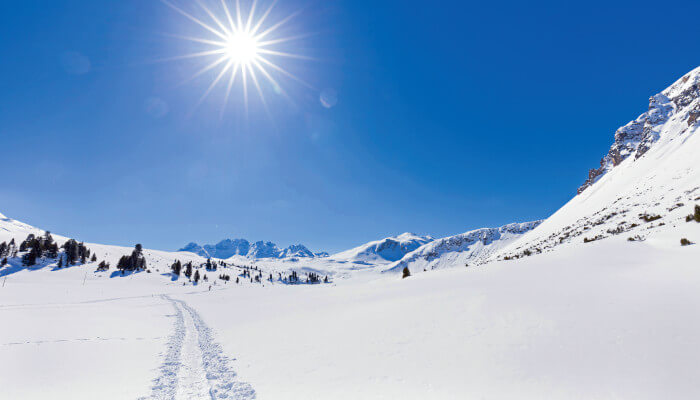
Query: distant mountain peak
261, 249
384, 250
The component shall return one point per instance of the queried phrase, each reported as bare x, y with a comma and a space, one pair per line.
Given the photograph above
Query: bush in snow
406, 273
685, 242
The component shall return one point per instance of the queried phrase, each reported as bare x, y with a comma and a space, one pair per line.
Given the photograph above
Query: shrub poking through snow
649, 217
685, 242
406, 273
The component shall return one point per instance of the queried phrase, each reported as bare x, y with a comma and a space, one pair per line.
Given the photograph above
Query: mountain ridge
228, 248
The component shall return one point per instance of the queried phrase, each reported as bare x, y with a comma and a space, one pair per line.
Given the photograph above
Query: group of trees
135, 262
38, 247
35, 248
75, 252
7, 250
210, 266
311, 278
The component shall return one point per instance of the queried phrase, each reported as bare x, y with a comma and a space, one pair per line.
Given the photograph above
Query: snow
611, 319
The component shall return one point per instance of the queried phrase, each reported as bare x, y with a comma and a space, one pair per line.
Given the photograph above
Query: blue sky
450, 116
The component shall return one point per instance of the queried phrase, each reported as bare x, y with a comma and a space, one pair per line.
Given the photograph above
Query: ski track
194, 365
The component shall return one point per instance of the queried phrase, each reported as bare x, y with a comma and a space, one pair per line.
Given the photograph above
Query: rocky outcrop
638, 136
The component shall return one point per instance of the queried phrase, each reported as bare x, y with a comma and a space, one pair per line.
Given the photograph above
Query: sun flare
242, 46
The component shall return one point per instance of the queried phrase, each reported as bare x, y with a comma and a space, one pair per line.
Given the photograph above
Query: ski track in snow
194, 366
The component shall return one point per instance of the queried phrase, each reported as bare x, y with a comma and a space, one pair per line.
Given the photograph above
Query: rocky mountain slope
470, 248
649, 180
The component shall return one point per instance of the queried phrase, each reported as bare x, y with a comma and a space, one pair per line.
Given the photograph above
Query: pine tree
3, 262
60, 262
406, 272
697, 213
94, 258
176, 267
196, 276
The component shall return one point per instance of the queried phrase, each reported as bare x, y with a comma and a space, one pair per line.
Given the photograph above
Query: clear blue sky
450, 116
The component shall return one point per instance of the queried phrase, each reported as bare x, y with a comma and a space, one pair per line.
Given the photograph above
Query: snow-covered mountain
385, 250
465, 249
297, 250
228, 248
650, 179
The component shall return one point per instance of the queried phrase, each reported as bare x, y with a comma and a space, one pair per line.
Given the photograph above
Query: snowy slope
609, 320
13, 229
650, 179
470, 248
384, 250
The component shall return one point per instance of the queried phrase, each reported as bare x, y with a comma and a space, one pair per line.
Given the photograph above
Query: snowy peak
467, 248
648, 184
193, 247
262, 249
681, 101
297, 250
241, 247
387, 249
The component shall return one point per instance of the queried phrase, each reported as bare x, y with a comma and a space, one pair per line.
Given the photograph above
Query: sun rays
242, 48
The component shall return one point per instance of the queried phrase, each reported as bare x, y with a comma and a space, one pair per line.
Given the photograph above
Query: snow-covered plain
613, 319
599, 301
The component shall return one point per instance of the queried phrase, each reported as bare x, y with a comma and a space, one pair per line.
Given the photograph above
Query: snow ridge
473, 247
385, 250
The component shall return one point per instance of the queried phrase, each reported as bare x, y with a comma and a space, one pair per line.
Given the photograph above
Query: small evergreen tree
176, 267
103, 266
196, 276
94, 258
3, 262
406, 273
60, 262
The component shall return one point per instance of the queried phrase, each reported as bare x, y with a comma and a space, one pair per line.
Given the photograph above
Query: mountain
384, 250
241, 247
648, 182
297, 250
468, 248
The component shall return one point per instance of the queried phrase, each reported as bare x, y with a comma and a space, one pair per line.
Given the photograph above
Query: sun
242, 46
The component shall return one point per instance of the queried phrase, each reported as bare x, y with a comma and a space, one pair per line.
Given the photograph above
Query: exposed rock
638, 136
